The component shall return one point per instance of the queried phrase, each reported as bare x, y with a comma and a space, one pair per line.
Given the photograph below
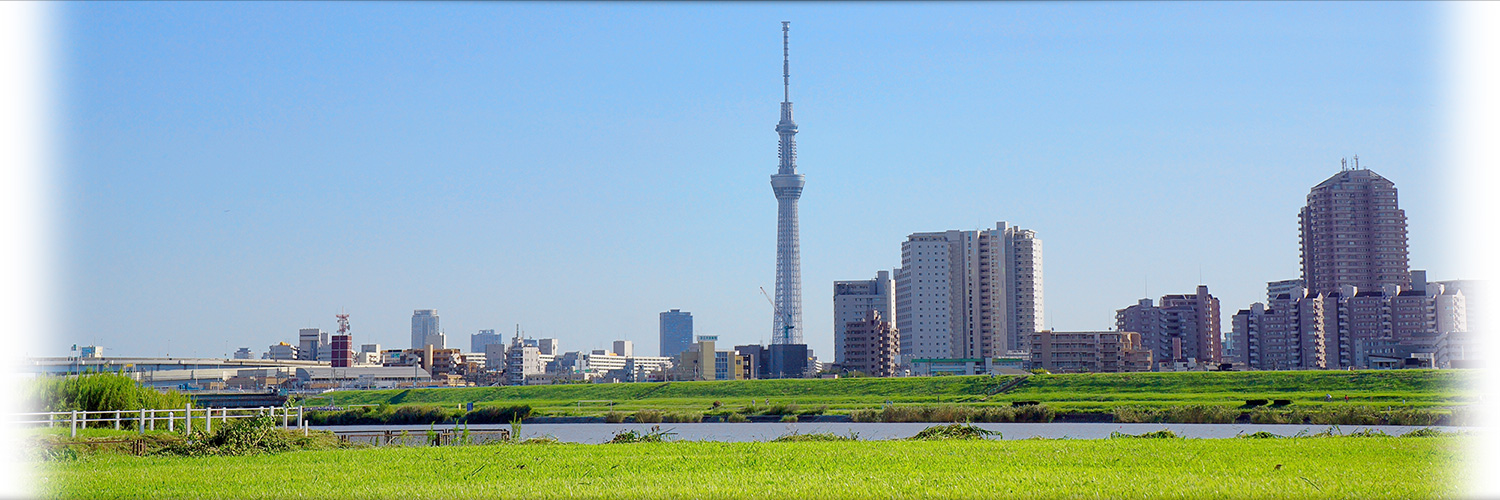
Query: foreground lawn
1068, 393
1335, 467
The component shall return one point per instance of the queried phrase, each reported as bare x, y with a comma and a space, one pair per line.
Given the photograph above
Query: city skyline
199, 212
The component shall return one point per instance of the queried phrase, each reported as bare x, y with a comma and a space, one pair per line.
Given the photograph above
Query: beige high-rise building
853, 301
871, 346
1353, 234
968, 294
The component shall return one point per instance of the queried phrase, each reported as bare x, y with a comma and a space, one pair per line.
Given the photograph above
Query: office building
702, 362
522, 360
243, 353
853, 300
484, 338
1184, 328
342, 350
1353, 234
1089, 352
425, 331
676, 328
310, 341
872, 346
282, 351
623, 348
969, 294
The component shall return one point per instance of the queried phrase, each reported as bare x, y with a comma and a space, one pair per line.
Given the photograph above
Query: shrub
788, 418
655, 435
242, 436
496, 414
614, 417
1161, 434
1348, 415
781, 409
864, 416
821, 436
683, 417
1258, 435
101, 392
954, 431
1424, 432
1412, 416
648, 417
736, 418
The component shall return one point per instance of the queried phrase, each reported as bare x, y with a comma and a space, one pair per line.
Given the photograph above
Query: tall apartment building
968, 294
1089, 352
1353, 234
1181, 328
872, 346
853, 300
424, 330
1287, 335
676, 329
523, 359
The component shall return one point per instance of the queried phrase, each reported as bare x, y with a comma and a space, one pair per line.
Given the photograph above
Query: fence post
140, 423
300, 422
73, 421
187, 422
208, 420
117, 420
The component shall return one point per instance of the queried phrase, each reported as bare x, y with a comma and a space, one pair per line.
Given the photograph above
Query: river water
766, 431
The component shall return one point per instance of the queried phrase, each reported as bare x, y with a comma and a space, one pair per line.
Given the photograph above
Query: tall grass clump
954, 431
648, 417
1412, 416
1348, 415
496, 414
685, 417
101, 392
249, 436
614, 417
1187, 414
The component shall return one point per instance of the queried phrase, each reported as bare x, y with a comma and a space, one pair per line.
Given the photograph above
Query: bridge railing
149, 419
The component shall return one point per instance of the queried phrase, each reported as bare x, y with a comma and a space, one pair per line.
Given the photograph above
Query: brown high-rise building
1182, 327
1353, 233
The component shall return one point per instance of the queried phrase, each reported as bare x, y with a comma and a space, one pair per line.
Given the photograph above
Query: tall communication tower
786, 327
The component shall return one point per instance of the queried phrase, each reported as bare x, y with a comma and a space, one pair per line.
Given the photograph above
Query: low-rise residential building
701, 362
1089, 352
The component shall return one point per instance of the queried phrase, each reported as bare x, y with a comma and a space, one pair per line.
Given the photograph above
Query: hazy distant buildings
853, 300
425, 331
243, 353
968, 294
282, 351
676, 329
484, 338
624, 348
1353, 234
872, 346
1180, 329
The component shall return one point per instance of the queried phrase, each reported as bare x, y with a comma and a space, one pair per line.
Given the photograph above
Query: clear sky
234, 172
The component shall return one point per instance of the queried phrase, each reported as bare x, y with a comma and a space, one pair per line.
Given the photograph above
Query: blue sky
233, 172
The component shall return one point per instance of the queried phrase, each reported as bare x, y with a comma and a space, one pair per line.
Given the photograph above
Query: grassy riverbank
1096, 393
1327, 467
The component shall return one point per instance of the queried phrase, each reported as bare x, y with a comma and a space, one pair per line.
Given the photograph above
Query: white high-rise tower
787, 184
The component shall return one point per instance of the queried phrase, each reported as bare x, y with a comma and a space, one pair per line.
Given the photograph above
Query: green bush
614, 417
954, 431
1161, 434
686, 417
496, 414
864, 416
648, 417
736, 417
101, 392
242, 436
788, 418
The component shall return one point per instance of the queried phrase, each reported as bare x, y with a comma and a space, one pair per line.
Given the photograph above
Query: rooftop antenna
1356, 162
786, 65
1343, 164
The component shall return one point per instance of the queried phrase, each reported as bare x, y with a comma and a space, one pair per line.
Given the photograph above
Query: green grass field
1067, 393
1331, 467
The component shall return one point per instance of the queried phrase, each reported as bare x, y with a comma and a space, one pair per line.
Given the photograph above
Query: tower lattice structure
787, 184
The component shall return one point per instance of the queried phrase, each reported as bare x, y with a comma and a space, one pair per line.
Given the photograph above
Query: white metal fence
151, 420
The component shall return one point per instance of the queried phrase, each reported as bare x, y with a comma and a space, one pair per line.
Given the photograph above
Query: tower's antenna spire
786, 65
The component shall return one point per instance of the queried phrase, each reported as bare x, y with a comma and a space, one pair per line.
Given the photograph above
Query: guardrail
148, 419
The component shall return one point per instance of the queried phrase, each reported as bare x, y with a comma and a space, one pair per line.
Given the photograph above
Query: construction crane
786, 324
